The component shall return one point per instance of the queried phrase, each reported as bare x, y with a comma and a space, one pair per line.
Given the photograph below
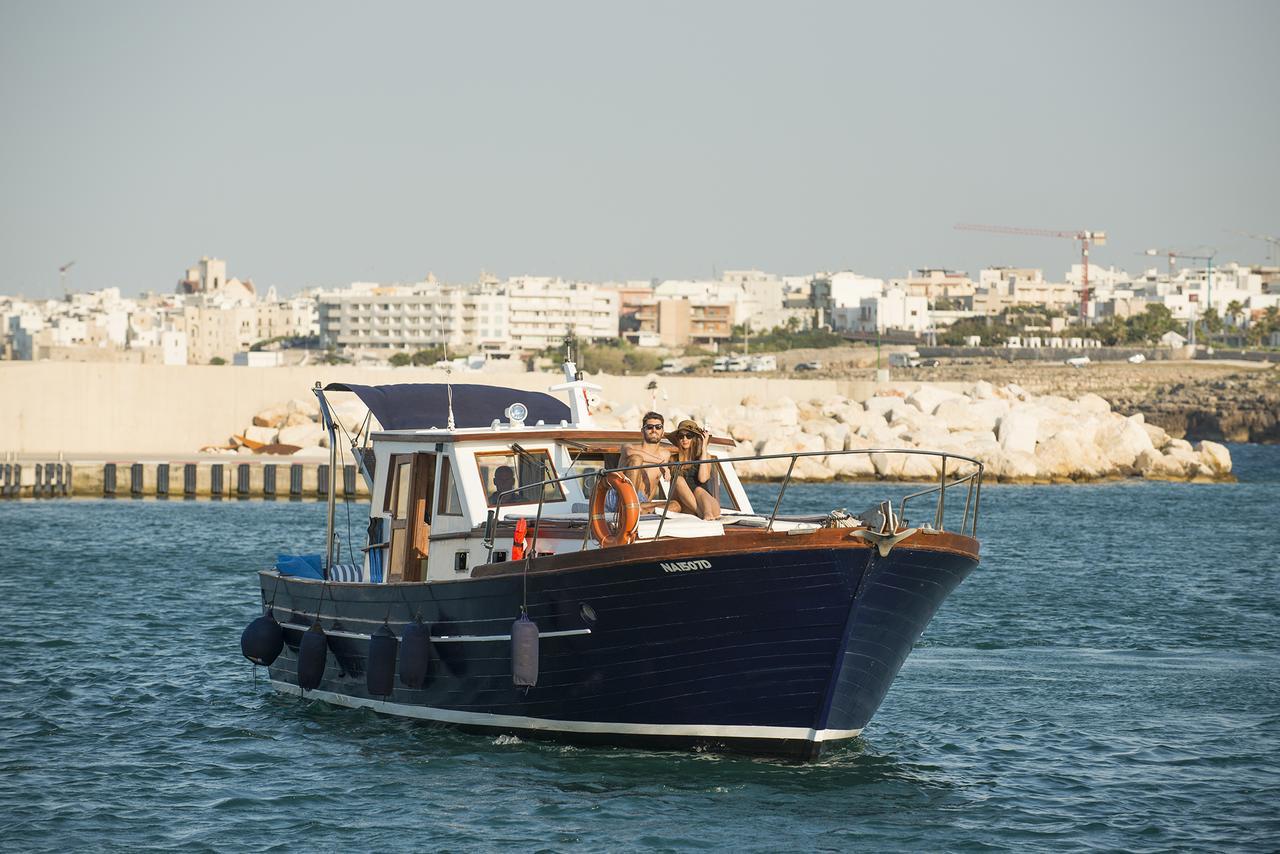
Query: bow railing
968, 476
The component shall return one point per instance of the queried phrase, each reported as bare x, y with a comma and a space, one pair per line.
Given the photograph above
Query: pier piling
203, 479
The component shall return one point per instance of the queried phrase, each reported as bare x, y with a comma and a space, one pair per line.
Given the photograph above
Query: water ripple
1108, 679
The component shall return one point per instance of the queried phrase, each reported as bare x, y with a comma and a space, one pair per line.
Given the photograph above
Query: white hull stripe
777, 733
445, 638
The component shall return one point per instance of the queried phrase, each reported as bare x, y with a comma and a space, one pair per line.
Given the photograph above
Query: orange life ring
624, 530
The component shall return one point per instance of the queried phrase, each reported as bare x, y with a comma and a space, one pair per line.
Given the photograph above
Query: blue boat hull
781, 652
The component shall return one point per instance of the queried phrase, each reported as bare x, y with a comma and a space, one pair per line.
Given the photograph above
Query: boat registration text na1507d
685, 565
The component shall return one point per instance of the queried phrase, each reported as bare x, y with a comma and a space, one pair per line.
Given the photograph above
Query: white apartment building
215, 330
369, 316
894, 309
521, 314
1002, 287
542, 311
757, 299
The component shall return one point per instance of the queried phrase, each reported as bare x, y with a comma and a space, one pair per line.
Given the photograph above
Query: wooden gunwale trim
584, 435
753, 541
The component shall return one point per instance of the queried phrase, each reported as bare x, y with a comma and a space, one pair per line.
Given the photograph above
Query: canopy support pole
333, 480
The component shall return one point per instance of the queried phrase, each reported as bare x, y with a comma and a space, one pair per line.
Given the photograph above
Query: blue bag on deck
301, 566
376, 556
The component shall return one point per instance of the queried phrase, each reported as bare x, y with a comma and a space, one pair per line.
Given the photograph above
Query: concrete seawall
221, 478
117, 410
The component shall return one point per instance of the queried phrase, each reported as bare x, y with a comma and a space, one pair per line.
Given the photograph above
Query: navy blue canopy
417, 406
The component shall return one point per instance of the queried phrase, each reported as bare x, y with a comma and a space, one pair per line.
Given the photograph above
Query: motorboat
502, 590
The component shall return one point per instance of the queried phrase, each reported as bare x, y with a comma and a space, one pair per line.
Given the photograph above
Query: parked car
808, 366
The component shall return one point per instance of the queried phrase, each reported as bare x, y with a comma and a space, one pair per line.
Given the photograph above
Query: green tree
429, 356
1235, 312
217, 360
399, 360
1151, 324
1210, 321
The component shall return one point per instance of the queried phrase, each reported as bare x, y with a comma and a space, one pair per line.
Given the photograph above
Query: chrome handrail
973, 478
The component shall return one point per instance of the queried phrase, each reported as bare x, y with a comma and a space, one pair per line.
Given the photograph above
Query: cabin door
409, 489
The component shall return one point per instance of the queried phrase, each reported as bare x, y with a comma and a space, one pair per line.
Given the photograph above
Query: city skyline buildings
608, 144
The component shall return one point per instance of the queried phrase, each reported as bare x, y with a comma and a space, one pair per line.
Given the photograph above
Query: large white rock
743, 431
782, 412
813, 469
1061, 457
927, 438
863, 422
1017, 433
1013, 391
1177, 464
261, 435
306, 405
351, 413
302, 435
982, 390
1018, 466
1159, 438
853, 465
885, 405
927, 397
835, 436
980, 415
1122, 440
273, 417
905, 466
1215, 457
1090, 402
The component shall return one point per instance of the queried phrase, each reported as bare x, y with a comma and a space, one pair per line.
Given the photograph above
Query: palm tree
1235, 311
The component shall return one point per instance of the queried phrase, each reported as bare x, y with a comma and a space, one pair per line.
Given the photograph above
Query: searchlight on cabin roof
516, 413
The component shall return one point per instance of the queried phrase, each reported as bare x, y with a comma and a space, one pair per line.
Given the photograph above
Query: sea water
1108, 678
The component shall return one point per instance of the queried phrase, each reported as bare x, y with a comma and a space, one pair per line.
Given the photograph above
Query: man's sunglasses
653, 426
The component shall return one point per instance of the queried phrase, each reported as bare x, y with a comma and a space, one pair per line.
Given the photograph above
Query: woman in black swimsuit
692, 483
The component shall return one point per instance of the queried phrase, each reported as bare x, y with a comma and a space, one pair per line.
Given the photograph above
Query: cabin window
409, 503
398, 497
588, 463
450, 502
504, 471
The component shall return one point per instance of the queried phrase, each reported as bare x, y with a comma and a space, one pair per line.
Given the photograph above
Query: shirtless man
648, 481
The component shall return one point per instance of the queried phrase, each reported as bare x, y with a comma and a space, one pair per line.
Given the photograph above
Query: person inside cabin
504, 479
648, 482
692, 484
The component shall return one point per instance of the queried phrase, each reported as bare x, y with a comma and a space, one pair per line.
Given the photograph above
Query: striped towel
346, 572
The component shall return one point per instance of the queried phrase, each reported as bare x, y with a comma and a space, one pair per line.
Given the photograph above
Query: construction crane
62, 274
1097, 238
1173, 255
1272, 241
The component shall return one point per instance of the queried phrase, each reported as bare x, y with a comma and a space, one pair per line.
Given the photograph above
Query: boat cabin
457, 468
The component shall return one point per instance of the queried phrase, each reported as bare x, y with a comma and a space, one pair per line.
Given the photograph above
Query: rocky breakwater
1019, 437
1239, 407
292, 428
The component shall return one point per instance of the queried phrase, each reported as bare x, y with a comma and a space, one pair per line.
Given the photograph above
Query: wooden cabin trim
754, 541
539, 434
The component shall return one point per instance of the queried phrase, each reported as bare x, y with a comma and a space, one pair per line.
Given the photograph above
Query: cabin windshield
506, 470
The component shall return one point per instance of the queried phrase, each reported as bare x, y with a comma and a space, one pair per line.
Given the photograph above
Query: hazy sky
312, 143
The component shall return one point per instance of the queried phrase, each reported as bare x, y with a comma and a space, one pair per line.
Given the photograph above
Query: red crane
1097, 238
